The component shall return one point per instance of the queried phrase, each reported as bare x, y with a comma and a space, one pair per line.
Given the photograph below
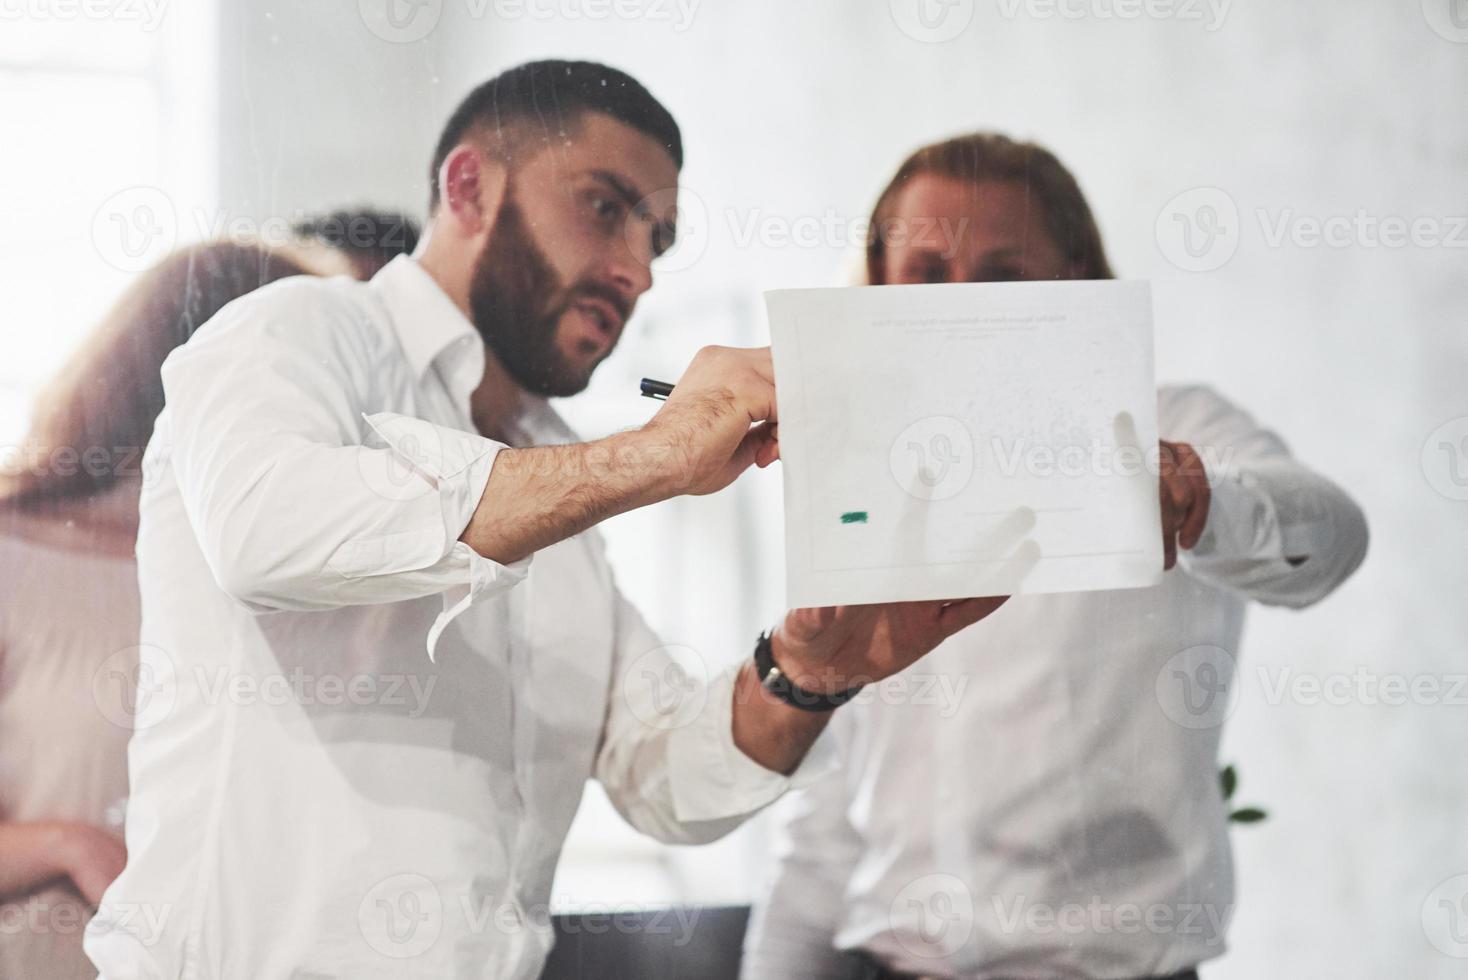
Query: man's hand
719, 419
830, 649
1185, 496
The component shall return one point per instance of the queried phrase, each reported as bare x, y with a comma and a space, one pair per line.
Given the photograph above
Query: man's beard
517, 302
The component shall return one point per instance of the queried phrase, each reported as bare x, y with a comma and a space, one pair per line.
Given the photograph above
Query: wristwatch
773, 679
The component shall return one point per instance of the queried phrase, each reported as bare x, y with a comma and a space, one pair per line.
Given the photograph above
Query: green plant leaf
1249, 814
1229, 777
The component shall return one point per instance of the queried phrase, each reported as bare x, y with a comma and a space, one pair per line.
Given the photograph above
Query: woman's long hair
93, 420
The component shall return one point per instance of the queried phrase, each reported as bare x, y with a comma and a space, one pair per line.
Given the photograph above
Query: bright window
105, 119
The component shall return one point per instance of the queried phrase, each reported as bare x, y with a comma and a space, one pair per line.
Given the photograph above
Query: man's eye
608, 210
924, 270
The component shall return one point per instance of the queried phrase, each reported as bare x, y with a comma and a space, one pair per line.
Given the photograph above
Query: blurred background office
1290, 177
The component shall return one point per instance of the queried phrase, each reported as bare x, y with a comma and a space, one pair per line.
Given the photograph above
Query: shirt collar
427, 323
430, 328
538, 424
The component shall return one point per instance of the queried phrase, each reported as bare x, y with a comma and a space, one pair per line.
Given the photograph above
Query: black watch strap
773, 679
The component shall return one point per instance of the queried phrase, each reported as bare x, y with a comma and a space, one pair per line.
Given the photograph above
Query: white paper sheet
958, 440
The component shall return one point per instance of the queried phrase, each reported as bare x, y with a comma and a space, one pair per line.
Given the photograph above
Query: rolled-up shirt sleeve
1277, 531
300, 497
667, 758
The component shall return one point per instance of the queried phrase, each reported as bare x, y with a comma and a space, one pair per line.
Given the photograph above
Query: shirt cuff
712, 779
458, 463
1241, 523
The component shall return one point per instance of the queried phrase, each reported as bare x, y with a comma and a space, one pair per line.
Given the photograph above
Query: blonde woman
69, 682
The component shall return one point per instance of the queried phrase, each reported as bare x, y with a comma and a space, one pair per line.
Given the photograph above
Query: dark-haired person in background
388, 645
69, 612
368, 239
1067, 820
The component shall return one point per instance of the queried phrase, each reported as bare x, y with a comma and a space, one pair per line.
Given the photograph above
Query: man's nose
631, 272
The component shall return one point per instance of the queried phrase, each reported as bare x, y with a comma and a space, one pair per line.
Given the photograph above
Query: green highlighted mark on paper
854, 517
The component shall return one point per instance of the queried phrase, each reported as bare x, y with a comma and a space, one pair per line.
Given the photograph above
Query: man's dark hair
368, 236
551, 96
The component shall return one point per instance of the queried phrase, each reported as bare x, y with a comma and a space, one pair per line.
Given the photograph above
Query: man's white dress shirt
1039, 796
312, 795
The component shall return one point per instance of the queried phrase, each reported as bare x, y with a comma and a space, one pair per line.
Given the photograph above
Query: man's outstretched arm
266, 432
719, 419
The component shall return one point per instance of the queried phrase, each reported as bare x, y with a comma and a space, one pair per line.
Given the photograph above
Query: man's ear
471, 188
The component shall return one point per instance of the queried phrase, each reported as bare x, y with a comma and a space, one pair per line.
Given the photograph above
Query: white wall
316, 111
1356, 354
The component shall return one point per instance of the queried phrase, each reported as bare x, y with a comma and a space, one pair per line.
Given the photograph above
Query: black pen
656, 389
